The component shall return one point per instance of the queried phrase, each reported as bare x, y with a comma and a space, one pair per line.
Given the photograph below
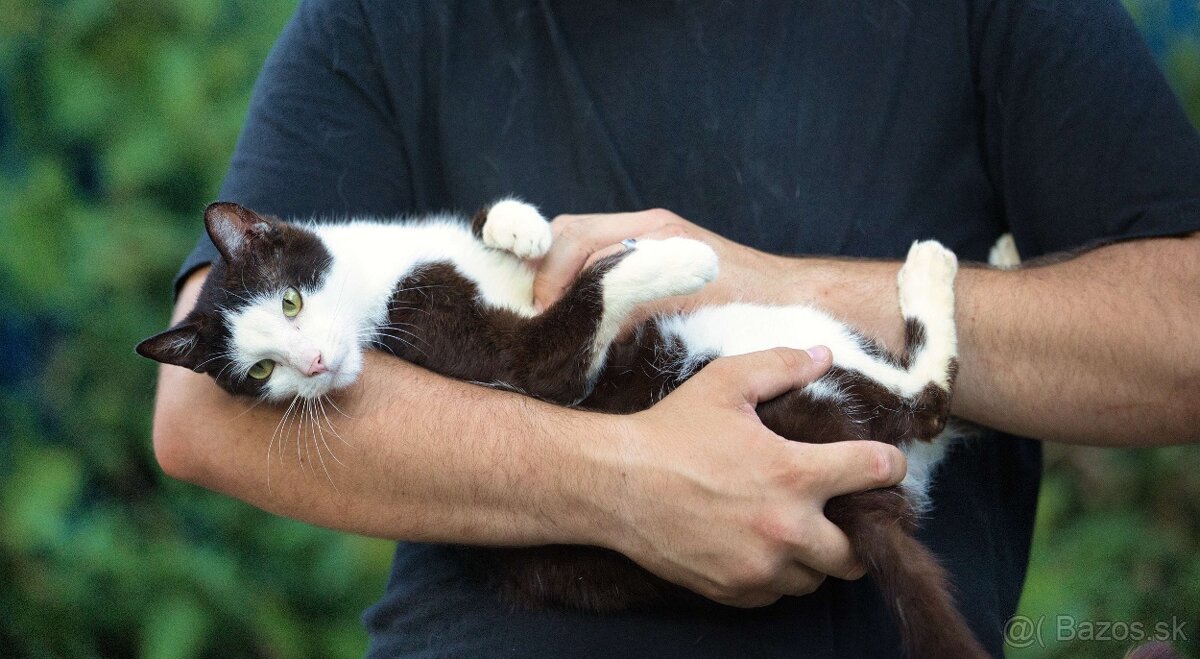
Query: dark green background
117, 119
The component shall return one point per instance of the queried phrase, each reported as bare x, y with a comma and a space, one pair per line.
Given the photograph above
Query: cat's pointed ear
232, 227
178, 345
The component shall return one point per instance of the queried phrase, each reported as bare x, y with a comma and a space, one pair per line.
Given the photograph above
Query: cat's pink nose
317, 366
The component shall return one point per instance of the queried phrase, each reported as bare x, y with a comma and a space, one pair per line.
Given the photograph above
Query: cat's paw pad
656, 269
517, 227
926, 280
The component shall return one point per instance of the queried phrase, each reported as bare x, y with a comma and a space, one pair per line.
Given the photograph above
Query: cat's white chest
371, 258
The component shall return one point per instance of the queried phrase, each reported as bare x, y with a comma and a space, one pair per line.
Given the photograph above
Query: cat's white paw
1004, 253
657, 269
517, 227
926, 281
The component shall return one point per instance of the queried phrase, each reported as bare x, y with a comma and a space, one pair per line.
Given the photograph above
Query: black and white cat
288, 310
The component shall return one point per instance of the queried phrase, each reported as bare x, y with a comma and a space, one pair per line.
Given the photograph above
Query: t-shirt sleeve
320, 137
1084, 139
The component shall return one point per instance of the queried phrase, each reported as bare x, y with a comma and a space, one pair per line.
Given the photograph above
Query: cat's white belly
737, 329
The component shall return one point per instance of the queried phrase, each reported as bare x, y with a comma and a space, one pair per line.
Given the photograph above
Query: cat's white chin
288, 383
346, 375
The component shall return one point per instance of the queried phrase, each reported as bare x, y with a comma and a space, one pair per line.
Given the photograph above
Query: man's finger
824, 547
759, 376
799, 579
845, 467
603, 252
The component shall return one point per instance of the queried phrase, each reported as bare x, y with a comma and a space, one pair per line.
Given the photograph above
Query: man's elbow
174, 442
1172, 413
1188, 397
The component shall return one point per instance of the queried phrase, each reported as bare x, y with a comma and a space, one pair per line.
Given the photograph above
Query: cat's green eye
292, 302
262, 370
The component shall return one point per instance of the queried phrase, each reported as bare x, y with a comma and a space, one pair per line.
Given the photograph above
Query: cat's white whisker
241, 297
337, 307
311, 438
213, 358
223, 369
419, 288
408, 333
300, 435
392, 325
321, 402
403, 342
294, 417
383, 333
335, 406
321, 435
383, 346
289, 418
379, 328
417, 309
247, 410
271, 443
282, 419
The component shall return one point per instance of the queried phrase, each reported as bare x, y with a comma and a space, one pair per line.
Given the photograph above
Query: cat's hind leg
926, 287
562, 350
650, 270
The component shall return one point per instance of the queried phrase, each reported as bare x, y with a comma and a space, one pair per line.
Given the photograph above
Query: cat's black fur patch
436, 320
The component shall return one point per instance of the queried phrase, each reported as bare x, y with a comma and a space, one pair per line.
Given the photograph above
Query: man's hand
714, 501
581, 239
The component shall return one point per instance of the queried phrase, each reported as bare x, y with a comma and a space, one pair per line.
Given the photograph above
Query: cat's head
267, 322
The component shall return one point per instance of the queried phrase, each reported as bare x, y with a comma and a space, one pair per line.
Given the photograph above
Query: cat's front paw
517, 227
656, 269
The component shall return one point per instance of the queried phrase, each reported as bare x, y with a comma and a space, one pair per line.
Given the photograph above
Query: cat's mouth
315, 386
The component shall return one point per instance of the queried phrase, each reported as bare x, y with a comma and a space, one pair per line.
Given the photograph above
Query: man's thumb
767, 374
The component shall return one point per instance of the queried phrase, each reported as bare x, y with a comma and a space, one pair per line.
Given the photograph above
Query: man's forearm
1098, 349
392, 473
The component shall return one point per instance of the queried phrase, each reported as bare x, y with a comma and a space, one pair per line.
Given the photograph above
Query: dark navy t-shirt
835, 127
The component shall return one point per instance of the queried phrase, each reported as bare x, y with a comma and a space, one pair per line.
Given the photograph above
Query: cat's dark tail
880, 525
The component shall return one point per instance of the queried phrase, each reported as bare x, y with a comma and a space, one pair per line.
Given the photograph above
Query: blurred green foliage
117, 119
1117, 540
118, 123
